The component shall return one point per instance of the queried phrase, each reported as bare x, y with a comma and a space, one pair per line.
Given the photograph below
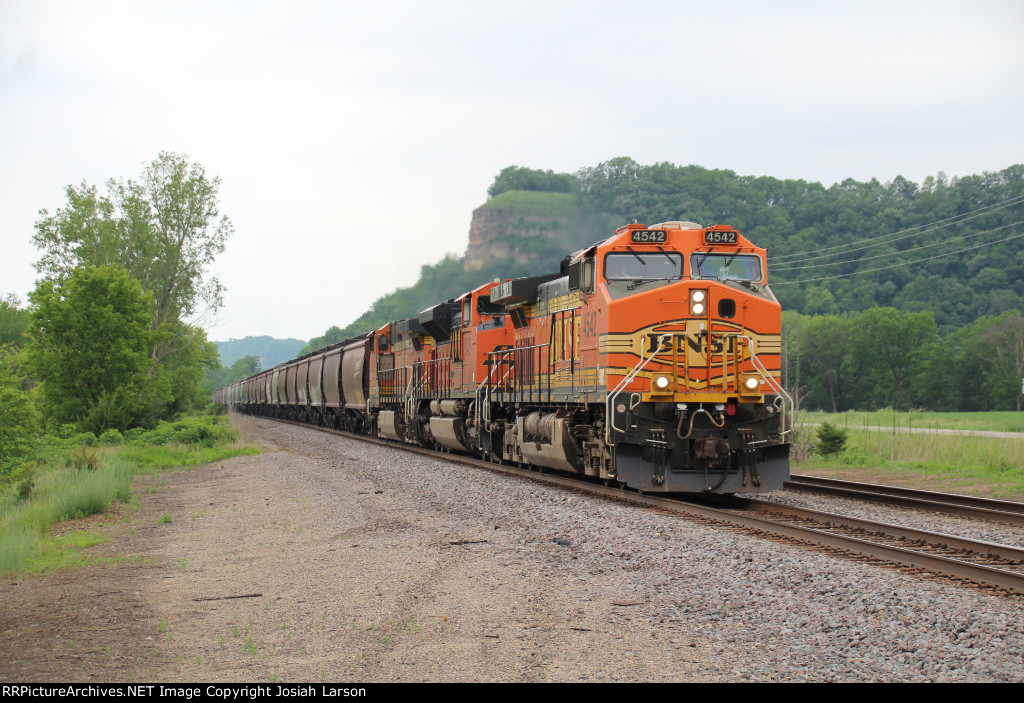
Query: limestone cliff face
505, 233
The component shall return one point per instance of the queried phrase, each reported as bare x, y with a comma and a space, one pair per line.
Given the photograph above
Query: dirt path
288, 566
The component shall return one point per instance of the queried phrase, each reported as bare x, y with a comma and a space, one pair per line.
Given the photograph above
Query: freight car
650, 359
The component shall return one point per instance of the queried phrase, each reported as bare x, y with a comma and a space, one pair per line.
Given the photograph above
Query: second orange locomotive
650, 359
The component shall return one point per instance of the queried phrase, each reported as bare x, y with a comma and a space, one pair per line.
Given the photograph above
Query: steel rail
817, 535
948, 503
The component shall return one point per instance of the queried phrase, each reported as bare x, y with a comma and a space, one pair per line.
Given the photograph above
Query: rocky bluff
526, 228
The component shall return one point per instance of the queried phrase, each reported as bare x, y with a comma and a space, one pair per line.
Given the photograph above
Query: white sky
354, 139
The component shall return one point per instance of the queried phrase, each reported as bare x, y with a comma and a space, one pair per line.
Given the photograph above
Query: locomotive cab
691, 352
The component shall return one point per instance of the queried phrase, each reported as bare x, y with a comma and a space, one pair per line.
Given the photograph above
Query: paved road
925, 430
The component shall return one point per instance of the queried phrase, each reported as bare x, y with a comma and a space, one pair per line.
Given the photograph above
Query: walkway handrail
626, 380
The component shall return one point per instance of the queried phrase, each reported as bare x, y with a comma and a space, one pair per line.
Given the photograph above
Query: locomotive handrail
479, 410
774, 383
509, 374
478, 413
626, 380
531, 369
393, 378
441, 384
423, 377
405, 401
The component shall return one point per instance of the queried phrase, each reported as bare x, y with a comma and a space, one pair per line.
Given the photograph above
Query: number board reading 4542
719, 237
648, 236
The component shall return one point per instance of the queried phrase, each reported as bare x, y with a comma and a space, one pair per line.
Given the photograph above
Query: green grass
1007, 421
148, 460
65, 552
984, 465
62, 493
533, 202
63, 485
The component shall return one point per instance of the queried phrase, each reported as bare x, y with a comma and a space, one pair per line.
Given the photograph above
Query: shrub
112, 436
19, 425
135, 434
831, 440
24, 478
199, 431
66, 431
84, 458
82, 439
25, 487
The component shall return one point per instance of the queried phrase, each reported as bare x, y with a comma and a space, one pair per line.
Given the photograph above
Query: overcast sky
354, 139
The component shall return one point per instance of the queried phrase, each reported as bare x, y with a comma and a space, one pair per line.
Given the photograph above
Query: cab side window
581, 274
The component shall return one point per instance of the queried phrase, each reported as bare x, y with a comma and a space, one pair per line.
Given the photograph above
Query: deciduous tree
19, 421
826, 353
165, 229
13, 321
1000, 342
89, 345
889, 344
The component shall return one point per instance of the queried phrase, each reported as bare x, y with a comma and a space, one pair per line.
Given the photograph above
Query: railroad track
946, 503
989, 564
982, 562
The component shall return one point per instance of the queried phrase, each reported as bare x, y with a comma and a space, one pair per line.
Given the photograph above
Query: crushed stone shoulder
327, 559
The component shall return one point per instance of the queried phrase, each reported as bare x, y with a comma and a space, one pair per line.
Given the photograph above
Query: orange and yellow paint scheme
650, 359
664, 343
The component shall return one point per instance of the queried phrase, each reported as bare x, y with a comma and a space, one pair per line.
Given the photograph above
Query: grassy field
988, 466
81, 475
993, 421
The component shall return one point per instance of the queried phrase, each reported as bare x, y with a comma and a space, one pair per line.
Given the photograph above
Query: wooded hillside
946, 255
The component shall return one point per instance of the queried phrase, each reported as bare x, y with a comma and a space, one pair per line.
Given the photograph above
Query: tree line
951, 246
942, 258
884, 357
112, 336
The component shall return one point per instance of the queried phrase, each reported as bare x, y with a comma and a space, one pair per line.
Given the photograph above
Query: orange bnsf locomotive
650, 359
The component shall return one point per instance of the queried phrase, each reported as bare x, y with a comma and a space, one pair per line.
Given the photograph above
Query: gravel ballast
374, 564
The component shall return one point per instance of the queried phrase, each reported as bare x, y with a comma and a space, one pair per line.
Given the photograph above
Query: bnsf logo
698, 343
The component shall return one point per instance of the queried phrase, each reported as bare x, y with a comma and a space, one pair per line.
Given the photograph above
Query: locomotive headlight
697, 302
750, 384
662, 382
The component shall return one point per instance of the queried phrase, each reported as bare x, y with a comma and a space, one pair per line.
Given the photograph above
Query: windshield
726, 267
643, 266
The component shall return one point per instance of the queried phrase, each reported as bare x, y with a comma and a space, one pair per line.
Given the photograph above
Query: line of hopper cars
650, 359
